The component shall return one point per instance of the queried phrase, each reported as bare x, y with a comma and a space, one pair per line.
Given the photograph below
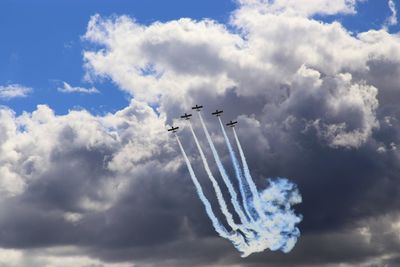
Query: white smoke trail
243, 186
217, 189
219, 228
225, 178
280, 231
277, 230
249, 179
275, 226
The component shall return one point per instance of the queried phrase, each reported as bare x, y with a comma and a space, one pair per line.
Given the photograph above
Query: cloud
297, 87
57, 257
11, 91
314, 103
70, 89
45, 138
303, 7
365, 244
392, 20
175, 61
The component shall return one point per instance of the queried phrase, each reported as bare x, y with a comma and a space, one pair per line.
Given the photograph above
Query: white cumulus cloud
28, 143
172, 63
67, 88
303, 7
13, 91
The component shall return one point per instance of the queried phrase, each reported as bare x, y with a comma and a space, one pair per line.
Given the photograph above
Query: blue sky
41, 43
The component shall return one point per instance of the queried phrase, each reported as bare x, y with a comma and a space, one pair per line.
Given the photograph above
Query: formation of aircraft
186, 116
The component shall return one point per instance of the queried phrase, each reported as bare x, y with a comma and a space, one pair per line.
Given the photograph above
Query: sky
43, 46
90, 177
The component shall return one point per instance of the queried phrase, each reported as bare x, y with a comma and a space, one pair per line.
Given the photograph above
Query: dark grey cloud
157, 216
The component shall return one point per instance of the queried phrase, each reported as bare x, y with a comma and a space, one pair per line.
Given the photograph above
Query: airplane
197, 108
217, 113
231, 123
186, 116
173, 129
